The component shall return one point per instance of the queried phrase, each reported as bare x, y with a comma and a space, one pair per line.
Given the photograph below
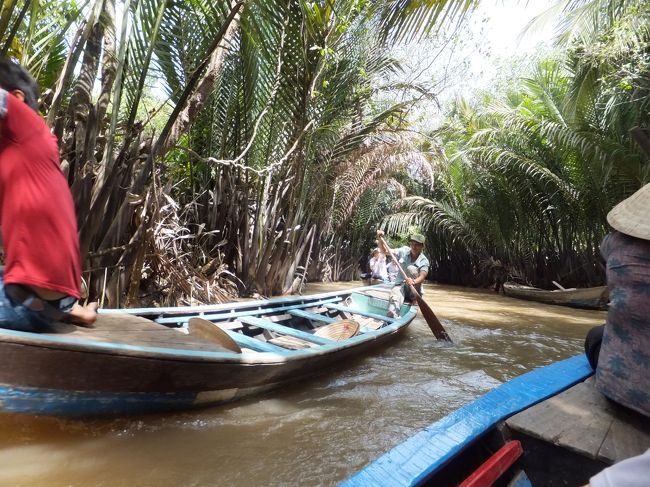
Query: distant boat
587, 298
145, 360
547, 427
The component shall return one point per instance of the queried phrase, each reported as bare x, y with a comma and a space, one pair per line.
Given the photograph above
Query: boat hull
57, 375
585, 298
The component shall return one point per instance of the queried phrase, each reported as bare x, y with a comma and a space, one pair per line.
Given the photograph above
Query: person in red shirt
41, 278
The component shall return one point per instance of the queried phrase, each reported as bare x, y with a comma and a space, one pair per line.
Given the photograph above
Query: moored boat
587, 298
544, 428
145, 360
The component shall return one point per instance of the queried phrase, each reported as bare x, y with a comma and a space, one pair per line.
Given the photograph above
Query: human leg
15, 316
395, 300
83, 315
592, 344
413, 272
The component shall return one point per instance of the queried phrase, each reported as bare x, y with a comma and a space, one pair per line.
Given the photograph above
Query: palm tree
266, 101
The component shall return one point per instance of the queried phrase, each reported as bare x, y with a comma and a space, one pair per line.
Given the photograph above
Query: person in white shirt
378, 265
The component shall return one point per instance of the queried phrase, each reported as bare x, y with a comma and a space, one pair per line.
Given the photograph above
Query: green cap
416, 237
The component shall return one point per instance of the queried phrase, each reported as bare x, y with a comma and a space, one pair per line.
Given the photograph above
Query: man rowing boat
416, 266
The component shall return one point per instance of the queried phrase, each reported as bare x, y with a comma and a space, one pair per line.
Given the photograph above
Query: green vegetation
215, 148
528, 174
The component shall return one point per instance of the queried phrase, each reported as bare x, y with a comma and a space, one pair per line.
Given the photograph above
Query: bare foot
84, 315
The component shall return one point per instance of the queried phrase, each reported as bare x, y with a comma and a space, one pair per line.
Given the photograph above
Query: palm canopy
267, 106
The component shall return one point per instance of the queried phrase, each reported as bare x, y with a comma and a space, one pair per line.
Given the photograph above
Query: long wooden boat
545, 428
587, 298
145, 360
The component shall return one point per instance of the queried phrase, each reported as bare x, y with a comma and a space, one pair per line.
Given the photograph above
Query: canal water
313, 433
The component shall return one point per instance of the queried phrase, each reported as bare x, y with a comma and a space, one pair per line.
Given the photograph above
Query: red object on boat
495, 466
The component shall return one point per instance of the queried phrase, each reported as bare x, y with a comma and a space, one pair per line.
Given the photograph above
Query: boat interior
249, 329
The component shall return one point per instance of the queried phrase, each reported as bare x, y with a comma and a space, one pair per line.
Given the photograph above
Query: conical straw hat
632, 215
339, 330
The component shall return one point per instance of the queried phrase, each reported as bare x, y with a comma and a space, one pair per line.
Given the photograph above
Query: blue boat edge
422, 455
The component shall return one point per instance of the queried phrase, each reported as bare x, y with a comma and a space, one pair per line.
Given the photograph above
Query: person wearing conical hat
623, 369
416, 267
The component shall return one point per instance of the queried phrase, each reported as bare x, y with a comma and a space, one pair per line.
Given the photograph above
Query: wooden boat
547, 427
588, 298
144, 360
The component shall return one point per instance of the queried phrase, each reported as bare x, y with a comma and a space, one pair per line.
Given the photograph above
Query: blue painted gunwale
193, 310
64, 342
419, 457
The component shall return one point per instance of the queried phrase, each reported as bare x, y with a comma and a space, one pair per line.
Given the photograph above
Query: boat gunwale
180, 310
425, 453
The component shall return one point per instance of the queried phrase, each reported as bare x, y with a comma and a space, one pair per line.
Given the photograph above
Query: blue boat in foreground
160, 359
473, 447
549, 427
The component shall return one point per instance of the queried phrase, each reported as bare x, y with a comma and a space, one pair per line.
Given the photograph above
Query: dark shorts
15, 316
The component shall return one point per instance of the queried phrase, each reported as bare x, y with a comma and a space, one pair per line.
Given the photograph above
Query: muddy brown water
314, 433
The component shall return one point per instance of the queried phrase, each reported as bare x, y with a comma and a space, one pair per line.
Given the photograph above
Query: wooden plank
628, 436
285, 330
312, 316
276, 318
575, 419
292, 343
581, 419
347, 309
255, 344
134, 330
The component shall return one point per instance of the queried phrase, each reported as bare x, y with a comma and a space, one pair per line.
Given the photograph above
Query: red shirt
37, 216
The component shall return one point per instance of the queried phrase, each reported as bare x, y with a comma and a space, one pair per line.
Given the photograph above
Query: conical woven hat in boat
632, 215
206, 330
340, 330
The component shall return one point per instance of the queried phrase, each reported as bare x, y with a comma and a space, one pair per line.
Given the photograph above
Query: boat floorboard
135, 330
582, 420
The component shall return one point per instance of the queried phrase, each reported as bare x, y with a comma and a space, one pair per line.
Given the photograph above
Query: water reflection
313, 433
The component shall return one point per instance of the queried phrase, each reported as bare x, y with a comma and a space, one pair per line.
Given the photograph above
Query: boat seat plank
370, 324
292, 343
133, 330
253, 343
276, 318
312, 316
354, 311
285, 330
581, 419
229, 325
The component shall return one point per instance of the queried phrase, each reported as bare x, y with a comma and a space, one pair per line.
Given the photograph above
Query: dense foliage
265, 142
528, 174
221, 147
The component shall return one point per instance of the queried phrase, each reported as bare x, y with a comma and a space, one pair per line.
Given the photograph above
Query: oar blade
432, 320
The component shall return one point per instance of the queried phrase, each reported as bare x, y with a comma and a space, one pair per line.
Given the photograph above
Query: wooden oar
429, 316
